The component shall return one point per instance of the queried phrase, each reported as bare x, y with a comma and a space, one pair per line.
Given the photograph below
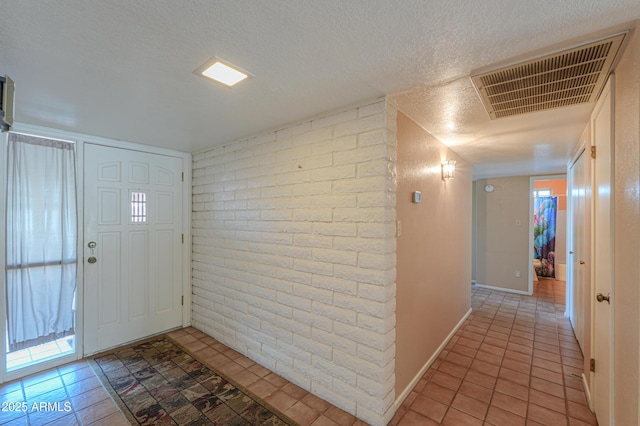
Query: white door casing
134, 288
603, 255
577, 177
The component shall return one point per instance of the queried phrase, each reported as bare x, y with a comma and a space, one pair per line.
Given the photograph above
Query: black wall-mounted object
6, 103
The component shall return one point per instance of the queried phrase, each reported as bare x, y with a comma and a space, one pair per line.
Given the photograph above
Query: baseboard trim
398, 402
508, 290
587, 392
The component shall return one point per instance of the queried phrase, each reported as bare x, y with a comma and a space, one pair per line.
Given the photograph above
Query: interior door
603, 294
132, 245
577, 176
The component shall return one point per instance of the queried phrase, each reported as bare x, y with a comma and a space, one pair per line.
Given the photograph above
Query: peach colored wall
433, 252
626, 295
502, 233
559, 188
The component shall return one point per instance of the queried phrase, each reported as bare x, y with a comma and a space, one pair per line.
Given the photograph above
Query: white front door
602, 259
132, 245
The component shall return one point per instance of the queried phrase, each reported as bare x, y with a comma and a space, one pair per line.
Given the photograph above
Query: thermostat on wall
417, 197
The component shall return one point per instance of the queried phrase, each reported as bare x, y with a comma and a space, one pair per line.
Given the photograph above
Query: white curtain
41, 240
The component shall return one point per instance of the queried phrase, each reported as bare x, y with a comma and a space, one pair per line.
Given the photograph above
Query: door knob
601, 297
582, 262
92, 260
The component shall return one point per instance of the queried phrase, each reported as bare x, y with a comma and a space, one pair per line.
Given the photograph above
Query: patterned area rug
158, 383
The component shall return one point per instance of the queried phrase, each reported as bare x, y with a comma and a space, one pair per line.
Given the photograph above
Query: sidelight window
41, 241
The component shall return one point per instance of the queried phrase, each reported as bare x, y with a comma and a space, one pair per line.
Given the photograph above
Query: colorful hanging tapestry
544, 235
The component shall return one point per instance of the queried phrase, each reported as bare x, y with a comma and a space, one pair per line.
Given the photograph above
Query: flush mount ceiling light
223, 72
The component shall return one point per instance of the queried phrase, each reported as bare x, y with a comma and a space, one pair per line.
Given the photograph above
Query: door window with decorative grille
138, 207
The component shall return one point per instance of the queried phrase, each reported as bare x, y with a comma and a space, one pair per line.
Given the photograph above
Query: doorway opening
548, 233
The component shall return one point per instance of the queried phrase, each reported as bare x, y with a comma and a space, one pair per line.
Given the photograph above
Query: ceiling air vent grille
571, 77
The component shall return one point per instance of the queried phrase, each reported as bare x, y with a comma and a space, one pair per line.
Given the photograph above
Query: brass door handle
601, 298
92, 260
582, 262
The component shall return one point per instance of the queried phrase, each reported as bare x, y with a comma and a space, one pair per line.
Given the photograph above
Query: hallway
515, 361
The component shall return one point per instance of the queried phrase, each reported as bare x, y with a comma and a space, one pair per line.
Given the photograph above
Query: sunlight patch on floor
36, 354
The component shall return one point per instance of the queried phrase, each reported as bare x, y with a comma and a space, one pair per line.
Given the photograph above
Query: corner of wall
294, 254
433, 250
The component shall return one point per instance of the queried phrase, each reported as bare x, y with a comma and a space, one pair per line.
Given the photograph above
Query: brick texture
294, 254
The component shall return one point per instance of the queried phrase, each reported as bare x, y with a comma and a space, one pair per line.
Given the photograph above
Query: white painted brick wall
294, 254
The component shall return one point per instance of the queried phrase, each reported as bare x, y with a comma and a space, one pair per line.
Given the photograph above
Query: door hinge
182, 300
183, 176
593, 152
592, 365
182, 238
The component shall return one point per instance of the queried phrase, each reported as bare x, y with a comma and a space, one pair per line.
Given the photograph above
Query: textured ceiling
123, 68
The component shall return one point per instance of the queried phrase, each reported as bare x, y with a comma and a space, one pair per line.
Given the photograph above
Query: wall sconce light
448, 169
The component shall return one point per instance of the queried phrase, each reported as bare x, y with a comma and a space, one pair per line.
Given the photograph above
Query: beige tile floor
301, 406
74, 394
515, 361
83, 401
